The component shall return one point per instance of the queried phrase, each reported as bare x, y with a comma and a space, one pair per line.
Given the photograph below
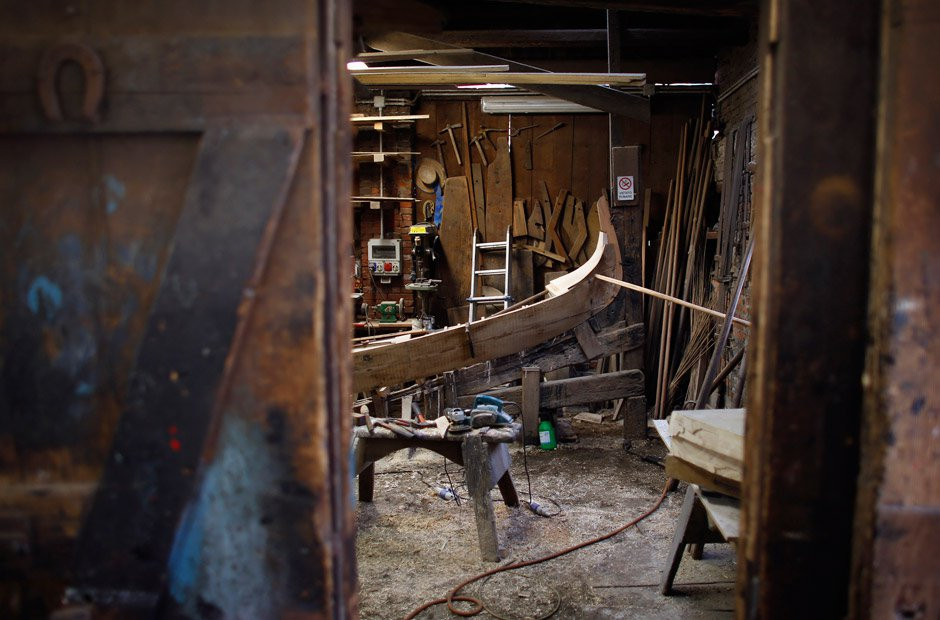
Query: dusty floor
413, 547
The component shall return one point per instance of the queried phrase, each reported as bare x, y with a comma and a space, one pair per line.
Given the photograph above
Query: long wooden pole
675, 300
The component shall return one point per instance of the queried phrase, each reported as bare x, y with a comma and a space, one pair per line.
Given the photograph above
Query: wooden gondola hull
503, 334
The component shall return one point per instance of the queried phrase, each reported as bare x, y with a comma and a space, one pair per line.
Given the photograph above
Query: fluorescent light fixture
356, 65
485, 86
534, 104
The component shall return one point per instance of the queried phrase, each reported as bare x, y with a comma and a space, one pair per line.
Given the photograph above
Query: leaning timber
572, 299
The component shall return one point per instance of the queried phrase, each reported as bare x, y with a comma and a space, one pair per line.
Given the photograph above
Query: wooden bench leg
476, 463
508, 490
367, 483
692, 519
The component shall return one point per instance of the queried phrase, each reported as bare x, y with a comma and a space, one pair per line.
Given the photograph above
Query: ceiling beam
714, 8
597, 97
630, 38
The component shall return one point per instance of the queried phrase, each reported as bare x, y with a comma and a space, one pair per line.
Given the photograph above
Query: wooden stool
705, 517
484, 462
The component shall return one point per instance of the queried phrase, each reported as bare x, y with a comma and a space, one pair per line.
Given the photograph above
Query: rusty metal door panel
86, 223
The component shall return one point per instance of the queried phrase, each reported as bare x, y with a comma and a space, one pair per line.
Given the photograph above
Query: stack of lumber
679, 342
711, 441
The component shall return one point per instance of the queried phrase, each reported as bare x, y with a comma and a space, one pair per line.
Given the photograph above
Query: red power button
388, 266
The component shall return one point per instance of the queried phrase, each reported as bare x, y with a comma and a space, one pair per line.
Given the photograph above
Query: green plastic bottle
547, 435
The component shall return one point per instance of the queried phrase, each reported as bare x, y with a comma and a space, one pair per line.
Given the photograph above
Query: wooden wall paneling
897, 523
499, 189
804, 395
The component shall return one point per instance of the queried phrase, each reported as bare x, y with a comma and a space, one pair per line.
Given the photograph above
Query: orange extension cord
478, 605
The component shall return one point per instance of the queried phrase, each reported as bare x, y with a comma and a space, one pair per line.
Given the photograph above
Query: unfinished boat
569, 301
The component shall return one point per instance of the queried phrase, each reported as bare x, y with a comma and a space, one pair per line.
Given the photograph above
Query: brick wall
737, 86
390, 178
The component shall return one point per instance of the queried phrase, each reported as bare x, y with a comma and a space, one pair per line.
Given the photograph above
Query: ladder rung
492, 245
490, 272
489, 300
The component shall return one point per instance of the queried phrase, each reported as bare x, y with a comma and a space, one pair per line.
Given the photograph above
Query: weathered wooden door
174, 351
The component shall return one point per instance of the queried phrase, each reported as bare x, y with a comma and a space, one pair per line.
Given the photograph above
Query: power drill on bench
486, 411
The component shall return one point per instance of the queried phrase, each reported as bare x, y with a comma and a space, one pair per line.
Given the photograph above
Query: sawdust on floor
413, 546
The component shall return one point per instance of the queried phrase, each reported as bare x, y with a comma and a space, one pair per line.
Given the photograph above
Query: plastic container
547, 439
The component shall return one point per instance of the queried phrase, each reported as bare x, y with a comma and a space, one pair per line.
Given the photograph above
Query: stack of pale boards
706, 447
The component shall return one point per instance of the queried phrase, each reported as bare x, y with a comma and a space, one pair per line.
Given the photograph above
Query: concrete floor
413, 546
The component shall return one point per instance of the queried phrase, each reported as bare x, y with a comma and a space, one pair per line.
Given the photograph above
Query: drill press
423, 238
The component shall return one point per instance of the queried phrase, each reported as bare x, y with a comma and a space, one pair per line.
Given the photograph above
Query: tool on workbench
459, 420
548, 131
477, 143
389, 311
453, 141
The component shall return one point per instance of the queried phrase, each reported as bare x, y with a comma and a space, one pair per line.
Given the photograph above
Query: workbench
483, 453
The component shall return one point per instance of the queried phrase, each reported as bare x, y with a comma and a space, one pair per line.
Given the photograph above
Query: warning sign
625, 189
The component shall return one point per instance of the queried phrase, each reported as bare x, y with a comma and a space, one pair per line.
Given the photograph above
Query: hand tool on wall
486, 131
440, 150
548, 131
453, 141
477, 143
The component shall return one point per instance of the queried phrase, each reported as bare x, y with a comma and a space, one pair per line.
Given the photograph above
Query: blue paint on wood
44, 296
115, 192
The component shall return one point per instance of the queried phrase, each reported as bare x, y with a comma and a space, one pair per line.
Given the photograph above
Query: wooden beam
597, 37
808, 348
675, 300
525, 38
531, 402
897, 524
372, 77
577, 391
405, 54
721, 8
597, 97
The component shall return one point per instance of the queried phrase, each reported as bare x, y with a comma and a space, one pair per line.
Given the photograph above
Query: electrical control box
385, 256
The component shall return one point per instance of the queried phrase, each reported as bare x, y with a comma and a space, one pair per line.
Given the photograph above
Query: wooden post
476, 463
531, 403
897, 525
634, 421
804, 397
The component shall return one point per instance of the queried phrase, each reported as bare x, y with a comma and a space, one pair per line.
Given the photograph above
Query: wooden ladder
476, 274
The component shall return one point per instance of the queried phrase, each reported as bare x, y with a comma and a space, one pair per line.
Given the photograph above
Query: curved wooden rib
575, 298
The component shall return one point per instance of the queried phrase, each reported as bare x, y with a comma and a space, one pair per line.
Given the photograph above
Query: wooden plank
479, 196
531, 402
579, 228
535, 225
588, 341
452, 75
662, 429
678, 469
725, 513
498, 193
455, 233
579, 390
551, 229
718, 430
566, 225
519, 227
